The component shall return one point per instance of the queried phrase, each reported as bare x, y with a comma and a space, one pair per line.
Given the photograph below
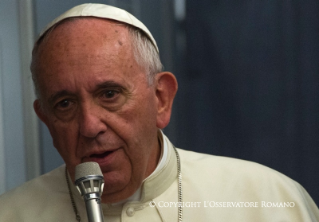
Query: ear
166, 88
39, 111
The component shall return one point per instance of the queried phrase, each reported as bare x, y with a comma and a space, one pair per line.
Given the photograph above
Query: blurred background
248, 78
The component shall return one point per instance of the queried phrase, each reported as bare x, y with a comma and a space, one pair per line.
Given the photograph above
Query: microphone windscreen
87, 168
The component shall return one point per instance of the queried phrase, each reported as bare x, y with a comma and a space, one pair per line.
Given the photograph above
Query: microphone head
88, 168
89, 179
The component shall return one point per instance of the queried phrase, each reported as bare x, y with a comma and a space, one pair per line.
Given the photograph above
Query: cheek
137, 124
61, 134
139, 130
143, 110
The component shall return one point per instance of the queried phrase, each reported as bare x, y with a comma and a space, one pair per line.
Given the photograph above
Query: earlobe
39, 111
166, 88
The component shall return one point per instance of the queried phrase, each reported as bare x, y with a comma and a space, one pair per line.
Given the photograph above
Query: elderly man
102, 94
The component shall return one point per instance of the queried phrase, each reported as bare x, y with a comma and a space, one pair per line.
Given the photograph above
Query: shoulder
222, 180
239, 177
34, 195
43, 183
234, 168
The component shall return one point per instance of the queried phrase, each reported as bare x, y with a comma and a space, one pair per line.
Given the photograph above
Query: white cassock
213, 189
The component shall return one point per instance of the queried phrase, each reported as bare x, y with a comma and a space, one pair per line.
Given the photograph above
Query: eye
112, 98
65, 109
64, 103
110, 94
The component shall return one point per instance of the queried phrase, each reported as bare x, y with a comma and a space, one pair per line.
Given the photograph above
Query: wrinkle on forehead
74, 31
85, 34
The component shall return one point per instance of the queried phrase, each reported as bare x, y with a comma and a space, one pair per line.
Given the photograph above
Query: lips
106, 158
102, 155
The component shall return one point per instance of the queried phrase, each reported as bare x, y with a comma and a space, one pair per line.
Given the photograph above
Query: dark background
249, 84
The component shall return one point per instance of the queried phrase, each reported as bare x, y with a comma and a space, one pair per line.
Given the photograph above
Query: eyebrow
107, 84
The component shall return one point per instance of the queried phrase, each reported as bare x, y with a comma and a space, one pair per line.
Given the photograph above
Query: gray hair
144, 51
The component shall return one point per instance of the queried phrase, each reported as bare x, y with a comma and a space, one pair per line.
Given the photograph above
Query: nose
91, 120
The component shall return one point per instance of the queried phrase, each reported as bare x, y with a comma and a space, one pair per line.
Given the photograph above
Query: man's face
98, 104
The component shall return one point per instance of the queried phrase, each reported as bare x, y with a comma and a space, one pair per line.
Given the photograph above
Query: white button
130, 211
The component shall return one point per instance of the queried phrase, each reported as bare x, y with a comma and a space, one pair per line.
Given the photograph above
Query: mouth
105, 158
101, 155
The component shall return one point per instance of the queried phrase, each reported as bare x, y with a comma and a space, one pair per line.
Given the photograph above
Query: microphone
90, 183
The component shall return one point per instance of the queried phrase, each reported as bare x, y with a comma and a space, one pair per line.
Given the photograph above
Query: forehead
81, 38
85, 46
87, 31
